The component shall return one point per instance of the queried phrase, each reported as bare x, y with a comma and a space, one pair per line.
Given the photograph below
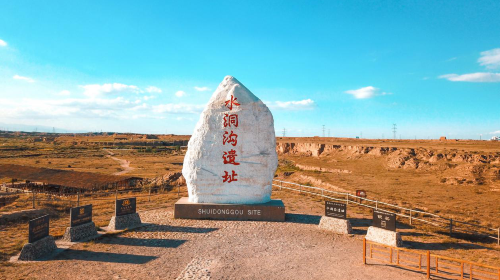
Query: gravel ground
195, 249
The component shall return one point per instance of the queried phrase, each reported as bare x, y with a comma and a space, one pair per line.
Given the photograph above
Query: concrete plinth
273, 210
80, 232
123, 222
38, 249
383, 236
335, 225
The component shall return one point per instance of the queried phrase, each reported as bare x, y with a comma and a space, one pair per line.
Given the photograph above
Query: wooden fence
412, 214
430, 264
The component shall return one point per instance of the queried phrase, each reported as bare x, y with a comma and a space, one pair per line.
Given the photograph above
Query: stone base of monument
273, 210
335, 225
38, 249
124, 222
383, 236
81, 232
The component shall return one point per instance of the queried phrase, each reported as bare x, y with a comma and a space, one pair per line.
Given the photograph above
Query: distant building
442, 138
495, 138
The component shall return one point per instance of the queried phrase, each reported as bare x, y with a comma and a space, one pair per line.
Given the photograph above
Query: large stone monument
231, 158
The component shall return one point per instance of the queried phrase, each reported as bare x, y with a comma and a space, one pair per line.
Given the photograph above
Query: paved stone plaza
170, 249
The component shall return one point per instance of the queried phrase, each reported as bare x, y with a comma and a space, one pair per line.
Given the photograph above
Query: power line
284, 132
323, 130
394, 130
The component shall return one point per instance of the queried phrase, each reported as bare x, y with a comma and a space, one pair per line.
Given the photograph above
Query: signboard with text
384, 220
81, 215
335, 210
38, 228
125, 206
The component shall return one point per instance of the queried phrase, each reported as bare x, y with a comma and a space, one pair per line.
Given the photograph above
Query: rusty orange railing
430, 264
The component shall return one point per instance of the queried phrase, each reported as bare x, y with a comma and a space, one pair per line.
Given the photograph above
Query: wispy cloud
106, 89
180, 108
306, 104
64, 93
21, 78
495, 132
180, 93
490, 59
480, 77
365, 92
201, 88
3, 43
153, 89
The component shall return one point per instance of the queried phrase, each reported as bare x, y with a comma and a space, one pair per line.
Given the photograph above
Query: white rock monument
231, 156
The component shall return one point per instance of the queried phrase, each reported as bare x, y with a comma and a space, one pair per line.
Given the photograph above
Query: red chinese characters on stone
230, 120
231, 138
231, 102
230, 157
229, 177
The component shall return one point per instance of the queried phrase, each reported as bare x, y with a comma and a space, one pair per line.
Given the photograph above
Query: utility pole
284, 132
323, 130
361, 134
53, 130
394, 130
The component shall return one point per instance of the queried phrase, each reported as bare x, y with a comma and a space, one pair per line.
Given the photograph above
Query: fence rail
430, 264
451, 225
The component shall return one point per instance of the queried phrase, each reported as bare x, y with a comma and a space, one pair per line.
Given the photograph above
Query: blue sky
357, 67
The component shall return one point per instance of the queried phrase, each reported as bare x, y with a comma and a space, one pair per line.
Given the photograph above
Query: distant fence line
452, 225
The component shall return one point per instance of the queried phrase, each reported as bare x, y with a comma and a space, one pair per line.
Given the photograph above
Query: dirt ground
194, 249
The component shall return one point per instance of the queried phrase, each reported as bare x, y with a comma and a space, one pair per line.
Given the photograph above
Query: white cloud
365, 92
306, 104
201, 88
29, 80
64, 93
495, 132
178, 108
153, 89
490, 59
3, 43
97, 90
148, 97
180, 93
480, 77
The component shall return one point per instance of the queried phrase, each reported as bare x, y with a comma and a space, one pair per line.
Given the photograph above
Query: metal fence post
281, 185
376, 204
364, 250
428, 264
33, 192
347, 198
410, 218
498, 242
78, 199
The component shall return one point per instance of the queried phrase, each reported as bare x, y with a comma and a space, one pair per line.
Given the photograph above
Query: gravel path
194, 249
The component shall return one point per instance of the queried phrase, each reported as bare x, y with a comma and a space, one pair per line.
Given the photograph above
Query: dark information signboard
81, 215
125, 206
384, 220
335, 210
38, 228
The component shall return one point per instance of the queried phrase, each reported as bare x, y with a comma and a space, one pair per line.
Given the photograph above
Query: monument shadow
83, 255
168, 228
129, 241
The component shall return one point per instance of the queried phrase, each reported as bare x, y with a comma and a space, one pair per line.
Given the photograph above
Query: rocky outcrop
470, 168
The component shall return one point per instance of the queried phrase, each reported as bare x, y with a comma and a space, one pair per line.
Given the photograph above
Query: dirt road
124, 164
193, 249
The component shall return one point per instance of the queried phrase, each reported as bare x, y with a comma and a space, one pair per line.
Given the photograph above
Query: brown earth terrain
457, 179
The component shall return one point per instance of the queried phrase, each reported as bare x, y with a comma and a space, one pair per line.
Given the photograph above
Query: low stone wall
80, 232
38, 249
383, 236
124, 222
335, 225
